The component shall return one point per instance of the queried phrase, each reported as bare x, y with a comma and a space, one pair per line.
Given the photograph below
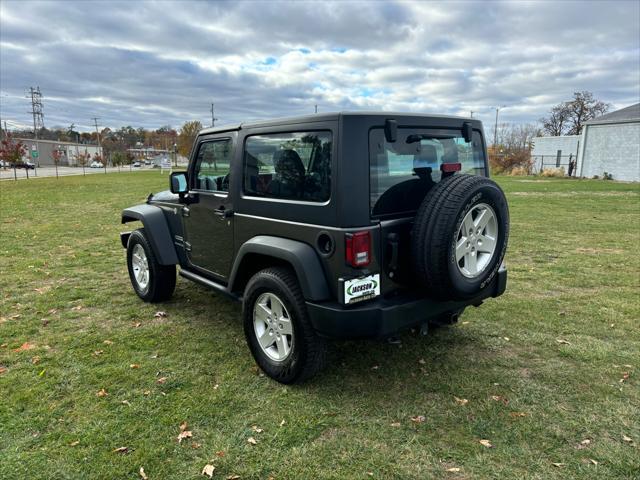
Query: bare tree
556, 123
568, 118
582, 108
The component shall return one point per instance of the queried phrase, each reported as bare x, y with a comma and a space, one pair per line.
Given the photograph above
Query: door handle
223, 212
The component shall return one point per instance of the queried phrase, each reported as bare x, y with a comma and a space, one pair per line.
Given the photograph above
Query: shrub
518, 171
552, 172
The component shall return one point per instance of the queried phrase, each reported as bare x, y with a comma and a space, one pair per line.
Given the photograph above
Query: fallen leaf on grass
183, 435
506, 338
517, 414
108, 342
252, 441
557, 464
627, 439
282, 423
625, 377
418, 419
486, 443
134, 365
161, 380
125, 402
183, 426
208, 470
24, 346
256, 429
4, 345
233, 477
137, 324
102, 393
216, 386
73, 444
143, 475
422, 361
499, 398
35, 360
121, 450
583, 444
77, 308
562, 342
146, 393
3, 370
453, 469
195, 445
220, 453
98, 352
375, 367
396, 424
461, 401
593, 461
160, 314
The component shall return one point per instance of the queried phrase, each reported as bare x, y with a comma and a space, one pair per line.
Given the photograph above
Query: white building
611, 143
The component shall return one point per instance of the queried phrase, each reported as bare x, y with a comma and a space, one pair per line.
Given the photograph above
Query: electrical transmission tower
36, 109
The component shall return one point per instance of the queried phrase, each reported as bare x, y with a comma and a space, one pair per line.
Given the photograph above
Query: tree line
116, 142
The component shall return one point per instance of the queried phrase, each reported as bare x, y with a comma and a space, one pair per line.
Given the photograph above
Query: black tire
162, 278
308, 351
435, 231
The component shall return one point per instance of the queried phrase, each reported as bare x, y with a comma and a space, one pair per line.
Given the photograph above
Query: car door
208, 218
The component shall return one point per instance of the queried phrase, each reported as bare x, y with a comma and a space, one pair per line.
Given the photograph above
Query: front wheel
278, 332
151, 281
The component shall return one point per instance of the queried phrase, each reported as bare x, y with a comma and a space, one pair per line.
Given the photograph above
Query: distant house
609, 143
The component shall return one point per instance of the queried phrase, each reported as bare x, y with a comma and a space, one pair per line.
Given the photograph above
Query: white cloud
156, 63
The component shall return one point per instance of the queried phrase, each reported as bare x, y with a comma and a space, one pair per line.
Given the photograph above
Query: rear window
293, 166
402, 172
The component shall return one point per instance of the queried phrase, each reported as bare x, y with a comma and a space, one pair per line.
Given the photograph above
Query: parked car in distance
96, 165
136, 165
337, 225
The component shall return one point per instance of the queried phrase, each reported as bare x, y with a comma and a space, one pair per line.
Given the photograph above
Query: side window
213, 165
295, 166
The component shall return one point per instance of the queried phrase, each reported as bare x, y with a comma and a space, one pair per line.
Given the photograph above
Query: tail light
358, 249
450, 167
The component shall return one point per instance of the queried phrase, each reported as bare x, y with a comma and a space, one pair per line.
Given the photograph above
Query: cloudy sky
155, 63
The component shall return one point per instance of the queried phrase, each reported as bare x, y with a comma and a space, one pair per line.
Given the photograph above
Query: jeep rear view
345, 225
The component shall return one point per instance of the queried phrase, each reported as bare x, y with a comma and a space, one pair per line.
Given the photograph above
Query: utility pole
471, 113
316, 109
213, 118
36, 109
495, 129
95, 122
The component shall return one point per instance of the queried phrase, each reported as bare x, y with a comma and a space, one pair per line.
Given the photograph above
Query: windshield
402, 172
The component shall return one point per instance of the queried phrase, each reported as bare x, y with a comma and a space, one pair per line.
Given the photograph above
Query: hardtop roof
321, 117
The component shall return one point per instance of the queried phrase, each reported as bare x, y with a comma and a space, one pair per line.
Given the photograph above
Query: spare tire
460, 236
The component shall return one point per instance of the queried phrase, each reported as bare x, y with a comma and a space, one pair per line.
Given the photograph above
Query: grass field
548, 373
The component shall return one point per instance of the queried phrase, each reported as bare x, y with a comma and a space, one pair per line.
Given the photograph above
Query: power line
36, 109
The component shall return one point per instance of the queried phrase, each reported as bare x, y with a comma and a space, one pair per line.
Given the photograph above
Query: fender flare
158, 233
301, 256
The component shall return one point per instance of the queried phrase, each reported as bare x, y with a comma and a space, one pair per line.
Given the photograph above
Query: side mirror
391, 130
467, 132
178, 183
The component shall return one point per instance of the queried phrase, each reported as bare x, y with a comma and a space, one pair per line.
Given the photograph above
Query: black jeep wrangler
333, 225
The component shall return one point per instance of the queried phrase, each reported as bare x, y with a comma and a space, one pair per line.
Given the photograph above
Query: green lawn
543, 368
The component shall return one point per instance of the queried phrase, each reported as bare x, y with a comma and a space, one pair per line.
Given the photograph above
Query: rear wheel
277, 329
151, 281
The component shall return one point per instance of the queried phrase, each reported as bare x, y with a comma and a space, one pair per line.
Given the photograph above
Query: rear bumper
386, 316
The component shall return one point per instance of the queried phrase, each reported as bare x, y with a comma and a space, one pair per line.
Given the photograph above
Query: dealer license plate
363, 288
